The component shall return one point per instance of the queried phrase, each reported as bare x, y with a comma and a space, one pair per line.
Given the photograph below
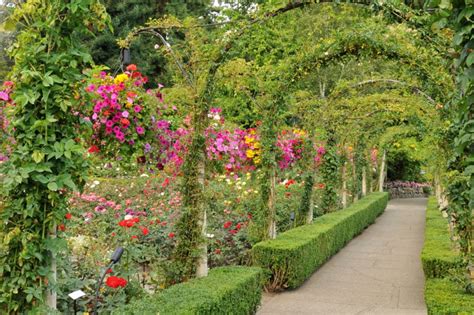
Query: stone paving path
378, 272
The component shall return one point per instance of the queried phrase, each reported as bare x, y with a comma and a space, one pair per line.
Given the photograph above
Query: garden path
378, 272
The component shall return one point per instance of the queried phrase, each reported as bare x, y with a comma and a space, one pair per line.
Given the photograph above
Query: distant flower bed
402, 189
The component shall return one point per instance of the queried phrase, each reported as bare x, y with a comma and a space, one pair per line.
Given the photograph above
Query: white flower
144, 175
128, 217
96, 182
210, 235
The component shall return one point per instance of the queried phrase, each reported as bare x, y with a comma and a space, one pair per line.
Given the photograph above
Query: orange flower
132, 67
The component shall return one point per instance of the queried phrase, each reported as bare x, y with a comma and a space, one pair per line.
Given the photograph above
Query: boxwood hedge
445, 297
442, 295
438, 256
294, 255
226, 290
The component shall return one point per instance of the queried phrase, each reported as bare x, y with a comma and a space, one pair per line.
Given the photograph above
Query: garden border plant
294, 255
440, 263
226, 290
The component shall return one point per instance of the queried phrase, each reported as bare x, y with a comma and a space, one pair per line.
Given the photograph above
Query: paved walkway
379, 272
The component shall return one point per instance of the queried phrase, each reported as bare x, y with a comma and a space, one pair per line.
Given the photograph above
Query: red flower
93, 149
113, 234
145, 231
217, 251
227, 225
233, 232
238, 226
62, 227
129, 223
115, 282
134, 237
125, 122
171, 235
108, 271
68, 216
132, 67
165, 183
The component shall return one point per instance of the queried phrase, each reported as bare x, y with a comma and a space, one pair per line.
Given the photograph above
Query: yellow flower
249, 140
250, 153
257, 145
121, 78
128, 105
257, 160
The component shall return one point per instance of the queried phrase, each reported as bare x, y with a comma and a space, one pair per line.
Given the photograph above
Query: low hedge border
233, 290
294, 255
442, 295
438, 256
445, 297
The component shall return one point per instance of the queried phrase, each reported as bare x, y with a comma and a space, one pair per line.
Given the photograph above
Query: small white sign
76, 294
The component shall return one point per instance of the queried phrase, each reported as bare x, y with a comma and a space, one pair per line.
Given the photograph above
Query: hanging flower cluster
118, 112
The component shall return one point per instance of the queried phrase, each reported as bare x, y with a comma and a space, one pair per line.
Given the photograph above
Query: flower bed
294, 255
399, 189
227, 290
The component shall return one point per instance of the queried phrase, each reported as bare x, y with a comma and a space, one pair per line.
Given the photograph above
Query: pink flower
140, 130
4, 96
125, 114
137, 109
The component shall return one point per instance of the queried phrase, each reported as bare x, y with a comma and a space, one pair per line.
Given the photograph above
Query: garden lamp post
117, 254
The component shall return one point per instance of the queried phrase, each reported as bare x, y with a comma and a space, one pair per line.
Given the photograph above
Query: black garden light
292, 217
117, 254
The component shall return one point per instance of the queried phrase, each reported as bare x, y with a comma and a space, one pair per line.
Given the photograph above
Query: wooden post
344, 185
271, 206
382, 171
364, 181
202, 267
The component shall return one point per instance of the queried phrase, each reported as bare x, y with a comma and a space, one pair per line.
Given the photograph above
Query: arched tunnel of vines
236, 157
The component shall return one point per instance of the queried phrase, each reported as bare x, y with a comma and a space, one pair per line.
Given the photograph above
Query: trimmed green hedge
226, 290
294, 255
438, 256
445, 297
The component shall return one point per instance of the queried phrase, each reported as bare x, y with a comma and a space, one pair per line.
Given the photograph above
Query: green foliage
438, 255
48, 159
294, 255
444, 297
126, 15
227, 290
329, 171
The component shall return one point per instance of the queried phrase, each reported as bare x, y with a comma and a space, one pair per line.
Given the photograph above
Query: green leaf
37, 156
470, 59
53, 186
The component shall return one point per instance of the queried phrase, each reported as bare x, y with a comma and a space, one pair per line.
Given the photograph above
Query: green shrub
294, 255
444, 297
227, 290
438, 256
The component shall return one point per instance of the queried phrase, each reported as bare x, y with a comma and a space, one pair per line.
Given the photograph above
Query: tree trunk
344, 185
382, 171
364, 181
271, 206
